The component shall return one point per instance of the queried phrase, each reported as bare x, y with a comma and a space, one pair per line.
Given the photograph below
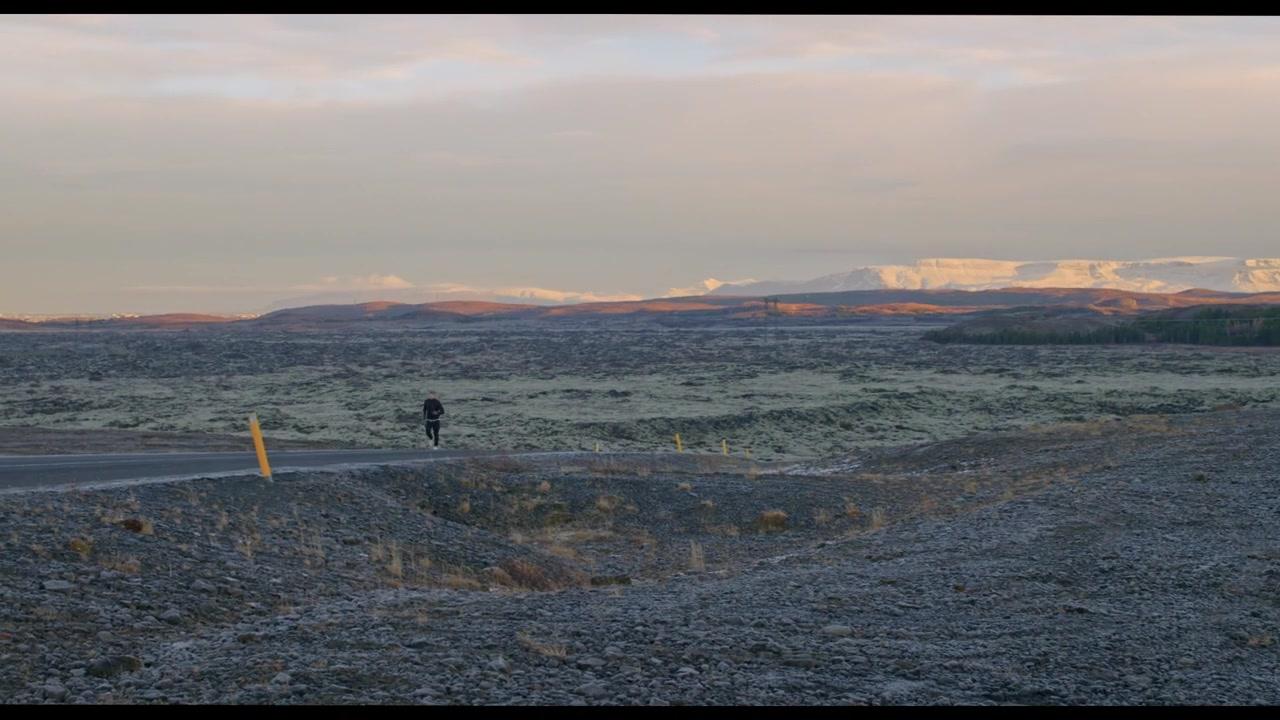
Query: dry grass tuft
772, 521
464, 507
608, 503
248, 543
461, 581
563, 551
697, 561
128, 566
877, 520
395, 565
81, 546
685, 487
544, 487
610, 467
821, 517
725, 530
528, 576
546, 649
852, 511
707, 505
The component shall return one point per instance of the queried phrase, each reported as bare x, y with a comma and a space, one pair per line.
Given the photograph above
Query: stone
58, 585
837, 630
593, 690
114, 665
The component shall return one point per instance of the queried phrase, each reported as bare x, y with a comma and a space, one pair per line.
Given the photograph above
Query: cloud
563, 296
366, 282
331, 282
703, 287
527, 154
532, 294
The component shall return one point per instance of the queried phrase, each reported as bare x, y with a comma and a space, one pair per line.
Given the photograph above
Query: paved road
37, 471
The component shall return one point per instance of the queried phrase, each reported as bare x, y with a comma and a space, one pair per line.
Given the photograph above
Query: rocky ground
1120, 561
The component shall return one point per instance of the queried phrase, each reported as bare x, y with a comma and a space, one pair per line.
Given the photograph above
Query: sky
224, 163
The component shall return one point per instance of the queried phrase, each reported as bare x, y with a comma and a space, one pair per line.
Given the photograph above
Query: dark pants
433, 431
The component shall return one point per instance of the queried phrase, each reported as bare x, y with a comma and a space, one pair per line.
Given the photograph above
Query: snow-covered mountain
1164, 275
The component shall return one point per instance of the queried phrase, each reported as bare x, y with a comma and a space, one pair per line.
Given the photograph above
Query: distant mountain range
1165, 275
821, 307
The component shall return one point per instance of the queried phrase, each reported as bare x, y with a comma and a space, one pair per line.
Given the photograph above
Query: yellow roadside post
597, 446
679, 445
724, 447
258, 446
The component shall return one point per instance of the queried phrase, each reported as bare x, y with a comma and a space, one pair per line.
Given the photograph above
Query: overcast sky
221, 163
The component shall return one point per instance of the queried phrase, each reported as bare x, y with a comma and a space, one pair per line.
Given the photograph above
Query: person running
431, 412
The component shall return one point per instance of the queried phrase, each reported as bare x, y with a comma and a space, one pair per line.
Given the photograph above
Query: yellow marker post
679, 445
259, 446
724, 447
597, 446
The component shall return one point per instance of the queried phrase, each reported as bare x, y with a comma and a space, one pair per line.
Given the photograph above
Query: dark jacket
432, 409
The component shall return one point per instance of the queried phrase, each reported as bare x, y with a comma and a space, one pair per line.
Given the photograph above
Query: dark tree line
1219, 325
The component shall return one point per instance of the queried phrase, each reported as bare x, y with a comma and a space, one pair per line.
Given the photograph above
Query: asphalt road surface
19, 472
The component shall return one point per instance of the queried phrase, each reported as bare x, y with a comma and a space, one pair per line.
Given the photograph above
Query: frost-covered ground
785, 393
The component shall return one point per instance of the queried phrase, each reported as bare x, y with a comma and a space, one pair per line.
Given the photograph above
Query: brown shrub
524, 574
772, 521
80, 546
138, 525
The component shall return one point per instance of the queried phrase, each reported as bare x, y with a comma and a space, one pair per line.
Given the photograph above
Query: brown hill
8, 324
857, 305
